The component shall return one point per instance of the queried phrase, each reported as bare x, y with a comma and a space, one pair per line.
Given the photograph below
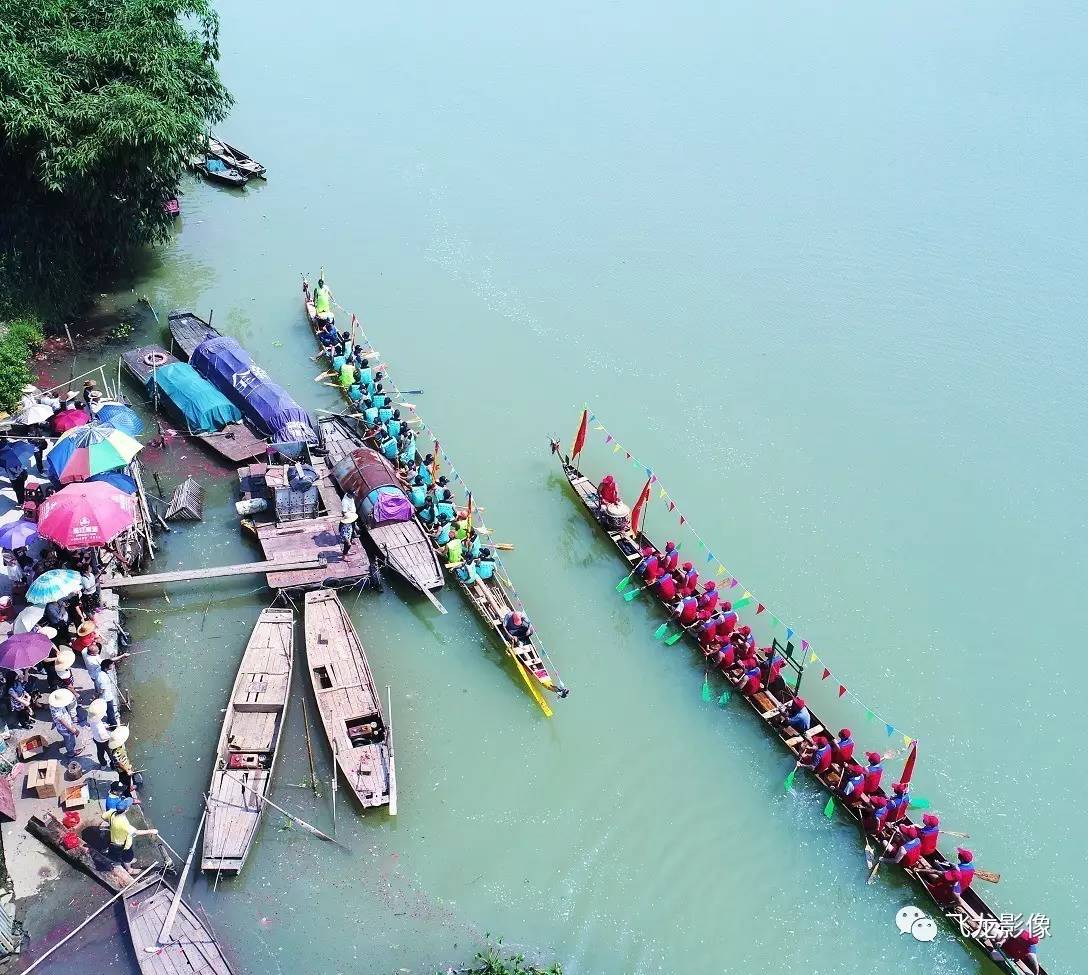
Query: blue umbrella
15, 457
118, 479
18, 534
53, 585
121, 418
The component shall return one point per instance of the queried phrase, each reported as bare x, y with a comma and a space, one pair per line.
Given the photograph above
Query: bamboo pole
309, 747
168, 922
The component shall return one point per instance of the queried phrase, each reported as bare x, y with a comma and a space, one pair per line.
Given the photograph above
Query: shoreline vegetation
494, 960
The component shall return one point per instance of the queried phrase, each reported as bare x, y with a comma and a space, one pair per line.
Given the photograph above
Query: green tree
101, 102
18, 339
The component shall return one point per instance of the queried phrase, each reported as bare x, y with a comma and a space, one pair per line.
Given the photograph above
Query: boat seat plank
261, 692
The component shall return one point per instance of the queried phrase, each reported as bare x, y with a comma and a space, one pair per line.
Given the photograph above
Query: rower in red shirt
687, 609
708, 601
728, 656
844, 747
665, 588
751, 682
729, 620
910, 848
946, 888
818, 756
670, 557
650, 566
898, 803
966, 866
1022, 947
691, 579
772, 668
853, 785
931, 832
874, 771
874, 815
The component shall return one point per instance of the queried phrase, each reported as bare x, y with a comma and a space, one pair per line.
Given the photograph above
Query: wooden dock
215, 572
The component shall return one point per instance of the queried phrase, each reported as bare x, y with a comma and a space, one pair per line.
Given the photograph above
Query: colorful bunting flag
775, 622
842, 689
804, 644
682, 519
734, 582
608, 439
789, 632
813, 659
825, 674
616, 449
760, 608
907, 740
721, 570
662, 494
869, 716
890, 729
710, 556
672, 506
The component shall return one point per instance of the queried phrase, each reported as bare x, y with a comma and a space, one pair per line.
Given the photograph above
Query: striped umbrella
53, 585
120, 417
89, 450
18, 534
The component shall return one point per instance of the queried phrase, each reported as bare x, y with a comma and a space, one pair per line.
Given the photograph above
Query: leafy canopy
101, 101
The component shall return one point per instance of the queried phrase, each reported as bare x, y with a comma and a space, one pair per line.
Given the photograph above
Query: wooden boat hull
347, 699
245, 756
405, 545
629, 546
188, 331
193, 947
224, 177
491, 602
244, 163
236, 442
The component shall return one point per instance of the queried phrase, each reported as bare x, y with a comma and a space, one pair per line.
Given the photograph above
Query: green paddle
661, 630
724, 699
829, 809
623, 583
633, 593
707, 696
788, 784
919, 803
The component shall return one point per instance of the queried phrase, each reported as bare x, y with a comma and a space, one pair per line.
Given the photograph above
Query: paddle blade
706, 689
623, 584
788, 784
829, 809
724, 699
672, 639
632, 594
920, 803
660, 631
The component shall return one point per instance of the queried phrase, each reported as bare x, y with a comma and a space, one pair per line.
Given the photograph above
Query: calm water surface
822, 266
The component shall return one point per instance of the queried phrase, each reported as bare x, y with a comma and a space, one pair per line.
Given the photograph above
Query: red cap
746, 630
821, 740
873, 757
845, 733
899, 788
910, 832
687, 566
965, 855
727, 606
711, 586
669, 546
799, 701
930, 820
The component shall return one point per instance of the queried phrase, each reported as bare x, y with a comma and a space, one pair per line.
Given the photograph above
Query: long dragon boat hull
972, 910
490, 599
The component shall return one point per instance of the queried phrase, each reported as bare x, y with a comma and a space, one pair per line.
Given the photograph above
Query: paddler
517, 626
394, 425
852, 788
691, 579
406, 444
965, 866
687, 610
364, 374
751, 682
347, 374
898, 802
844, 747
670, 558
425, 470
945, 888
729, 620
328, 338
607, 491
455, 551
817, 757
339, 357
1022, 947
797, 716
874, 771
930, 834
323, 302
485, 565
417, 493
650, 566
708, 601
445, 505
908, 850
665, 588
386, 445
874, 816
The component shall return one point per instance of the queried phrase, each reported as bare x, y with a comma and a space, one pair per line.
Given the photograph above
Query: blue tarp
229, 368
206, 410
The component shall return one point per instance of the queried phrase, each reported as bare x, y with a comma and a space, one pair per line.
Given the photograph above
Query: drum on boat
615, 517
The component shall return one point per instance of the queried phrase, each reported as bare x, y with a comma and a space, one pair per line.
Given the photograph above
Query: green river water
821, 266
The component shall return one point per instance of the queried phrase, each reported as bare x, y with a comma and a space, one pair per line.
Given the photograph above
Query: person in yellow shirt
122, 833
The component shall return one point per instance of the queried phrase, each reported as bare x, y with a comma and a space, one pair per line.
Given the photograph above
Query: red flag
825, 674
580, 436
760, 608
842, 689
908, 767
636, 511
672, 506
434, 462
682, 519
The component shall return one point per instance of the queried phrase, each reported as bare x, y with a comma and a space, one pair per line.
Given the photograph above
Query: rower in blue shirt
407, 448
445, 505
417, 494
379, 397
798, 716
370, 413
427, 513
355, 393
387, 445
485, 565
338, 359
394, 424
425, 470
472, 545
445, 531
366, 374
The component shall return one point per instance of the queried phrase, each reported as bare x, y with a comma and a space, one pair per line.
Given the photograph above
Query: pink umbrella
68, 419
85, 515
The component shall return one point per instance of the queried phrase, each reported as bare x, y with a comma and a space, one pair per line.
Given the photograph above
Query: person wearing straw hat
347, 530
86, 636
60, 702
100, 734
62, 667
121, 762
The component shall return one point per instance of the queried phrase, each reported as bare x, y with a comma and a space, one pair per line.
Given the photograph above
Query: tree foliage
101, 101
17, 340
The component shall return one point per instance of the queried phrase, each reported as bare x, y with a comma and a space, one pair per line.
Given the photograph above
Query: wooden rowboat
218, 171
188, 331
236, 442
235, 157
349, 703
246, 754
491, 600
972, 909
404, 545
192, 947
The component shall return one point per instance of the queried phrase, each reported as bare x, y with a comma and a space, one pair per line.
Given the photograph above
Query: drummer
607, 490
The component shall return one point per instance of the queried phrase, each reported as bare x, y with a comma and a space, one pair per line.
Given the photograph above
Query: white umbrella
28, 619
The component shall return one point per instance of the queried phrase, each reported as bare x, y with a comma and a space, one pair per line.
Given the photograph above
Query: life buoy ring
155, 359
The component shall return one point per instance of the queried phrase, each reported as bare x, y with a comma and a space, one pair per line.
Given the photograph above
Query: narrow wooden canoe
246, 754
235, 157
767, 703
491, 600
404, 545
227, 176
189, 330
349, 703
192, 948
236, 442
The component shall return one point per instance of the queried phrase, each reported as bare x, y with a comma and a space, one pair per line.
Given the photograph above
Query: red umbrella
85, 515
68, 419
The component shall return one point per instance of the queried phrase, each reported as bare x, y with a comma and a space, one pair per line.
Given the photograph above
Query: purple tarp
231, 370
386, 505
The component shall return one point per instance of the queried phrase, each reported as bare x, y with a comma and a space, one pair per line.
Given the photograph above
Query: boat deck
188, 331
305, 538
192, 949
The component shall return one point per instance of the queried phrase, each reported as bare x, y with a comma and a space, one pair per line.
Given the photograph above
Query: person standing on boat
406, 444
771, 669
121, 835
455, 552
328, 338
347, 375
844, 747
607, 492
323, 302
347, 531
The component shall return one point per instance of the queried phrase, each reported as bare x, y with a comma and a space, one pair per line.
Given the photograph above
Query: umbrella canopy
89, 450
120, 417
15, 457
53, 585
85, 515
70, 419
117, 479
34, 414
18, 534
28, 619
24, 650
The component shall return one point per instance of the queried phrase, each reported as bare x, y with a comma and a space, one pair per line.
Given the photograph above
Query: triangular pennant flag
710, 556
721, 570
746, 595
672, 506
842, 689
890, 729
628, 453
682, 519
702, 544
804, 644
907, 740
724, 699
869, 716
760, 608
599, 426
775, 621
608, 439
789, 632
662, 494
593, 418
616, 449
788, 784
653, 478
825, 674
734, 582
829, 809
706, 689
813, 658
649, 473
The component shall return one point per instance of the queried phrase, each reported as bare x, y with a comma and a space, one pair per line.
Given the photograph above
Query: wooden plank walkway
310, 562
314, 538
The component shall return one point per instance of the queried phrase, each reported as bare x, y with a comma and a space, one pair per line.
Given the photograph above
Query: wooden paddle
883, 853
